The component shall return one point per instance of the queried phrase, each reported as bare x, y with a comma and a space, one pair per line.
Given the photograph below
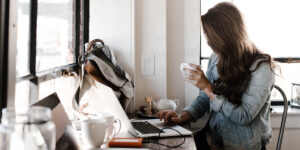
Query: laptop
107, 102
66, 137
152, 127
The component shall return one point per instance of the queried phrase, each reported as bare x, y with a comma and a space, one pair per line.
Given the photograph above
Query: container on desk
30, 129
295, 95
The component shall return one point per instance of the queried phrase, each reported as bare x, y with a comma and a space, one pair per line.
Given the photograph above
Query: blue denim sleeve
199, 106
202, 103
252, 100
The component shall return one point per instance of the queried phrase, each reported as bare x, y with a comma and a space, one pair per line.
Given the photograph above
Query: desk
188, 145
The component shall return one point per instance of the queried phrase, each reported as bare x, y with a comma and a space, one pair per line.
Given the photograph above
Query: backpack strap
90, 45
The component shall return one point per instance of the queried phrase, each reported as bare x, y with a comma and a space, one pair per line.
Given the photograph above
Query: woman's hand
197, 77
172, 117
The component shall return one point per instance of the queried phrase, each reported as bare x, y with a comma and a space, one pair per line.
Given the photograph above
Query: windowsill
278, 110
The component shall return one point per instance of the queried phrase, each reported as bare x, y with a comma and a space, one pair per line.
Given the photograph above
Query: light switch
147, 64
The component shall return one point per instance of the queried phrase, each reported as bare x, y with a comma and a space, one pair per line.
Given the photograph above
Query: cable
168, 146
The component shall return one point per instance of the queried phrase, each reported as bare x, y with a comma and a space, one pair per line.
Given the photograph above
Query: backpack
101, 65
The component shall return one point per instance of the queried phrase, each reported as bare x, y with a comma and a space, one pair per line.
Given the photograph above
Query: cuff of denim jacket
192, 110
217, 103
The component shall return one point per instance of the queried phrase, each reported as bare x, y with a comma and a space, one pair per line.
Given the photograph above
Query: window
22, 57
3, 51
49, 39
273, 28
55, 33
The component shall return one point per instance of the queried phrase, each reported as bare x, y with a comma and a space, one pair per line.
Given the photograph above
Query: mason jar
31, 126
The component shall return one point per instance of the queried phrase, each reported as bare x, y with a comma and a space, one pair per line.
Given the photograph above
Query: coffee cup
113, 126
93, 132
186, 66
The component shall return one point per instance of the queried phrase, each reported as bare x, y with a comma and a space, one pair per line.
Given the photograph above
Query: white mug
93, 132
111, 127
184, 66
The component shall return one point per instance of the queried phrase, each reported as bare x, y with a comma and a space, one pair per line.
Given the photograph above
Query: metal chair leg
283, 120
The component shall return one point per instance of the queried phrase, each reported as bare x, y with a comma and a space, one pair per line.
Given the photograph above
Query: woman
236, 86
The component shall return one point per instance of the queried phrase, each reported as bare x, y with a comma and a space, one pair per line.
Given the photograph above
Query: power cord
168, 146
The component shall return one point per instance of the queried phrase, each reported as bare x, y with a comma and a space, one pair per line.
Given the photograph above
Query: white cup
183, 66
186, 66
93, 132
113, 126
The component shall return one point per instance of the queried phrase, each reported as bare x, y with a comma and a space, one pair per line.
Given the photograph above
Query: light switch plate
148, 64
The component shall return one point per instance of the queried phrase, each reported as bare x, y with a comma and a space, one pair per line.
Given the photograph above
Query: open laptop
107, 102
151, 128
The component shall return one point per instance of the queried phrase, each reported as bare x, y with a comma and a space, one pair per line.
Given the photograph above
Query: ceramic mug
93, 132
184, 66
113, 126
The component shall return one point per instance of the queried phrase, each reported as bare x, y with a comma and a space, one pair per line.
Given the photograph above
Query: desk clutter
152, 107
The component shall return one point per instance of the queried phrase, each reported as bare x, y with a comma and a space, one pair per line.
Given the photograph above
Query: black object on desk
140, 114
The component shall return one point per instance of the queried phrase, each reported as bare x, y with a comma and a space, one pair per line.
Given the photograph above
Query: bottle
148, 105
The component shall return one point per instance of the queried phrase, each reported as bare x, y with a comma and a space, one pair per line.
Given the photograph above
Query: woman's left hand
197, 77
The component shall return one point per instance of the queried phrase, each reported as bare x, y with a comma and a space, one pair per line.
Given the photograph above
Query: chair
284, 115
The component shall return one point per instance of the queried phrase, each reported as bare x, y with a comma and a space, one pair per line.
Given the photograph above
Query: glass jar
31, 128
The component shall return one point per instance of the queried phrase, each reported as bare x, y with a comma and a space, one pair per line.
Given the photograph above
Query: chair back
284, 115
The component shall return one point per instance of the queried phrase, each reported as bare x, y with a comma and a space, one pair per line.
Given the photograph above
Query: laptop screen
65, 137
59, 116
102, 99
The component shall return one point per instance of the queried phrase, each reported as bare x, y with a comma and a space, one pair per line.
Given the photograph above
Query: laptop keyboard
145, 127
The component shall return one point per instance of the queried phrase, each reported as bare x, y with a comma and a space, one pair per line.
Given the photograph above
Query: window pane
290, 74
22, 95
65, 89
55, 36
22, 54
272, 25
46, 88
204, 65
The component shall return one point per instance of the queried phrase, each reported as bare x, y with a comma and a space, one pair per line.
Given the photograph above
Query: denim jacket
241, 127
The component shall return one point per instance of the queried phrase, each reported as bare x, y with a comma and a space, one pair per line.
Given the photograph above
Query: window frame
81, 15
4, 29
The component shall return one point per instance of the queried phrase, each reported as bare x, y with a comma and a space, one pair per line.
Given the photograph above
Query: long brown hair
226, 34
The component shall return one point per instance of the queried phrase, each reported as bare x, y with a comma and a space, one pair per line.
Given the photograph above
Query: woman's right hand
172, 117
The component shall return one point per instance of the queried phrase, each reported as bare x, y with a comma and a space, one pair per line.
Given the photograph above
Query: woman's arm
202, 103
252, 100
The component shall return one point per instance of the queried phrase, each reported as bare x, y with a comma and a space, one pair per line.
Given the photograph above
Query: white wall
168, 30
150, 39
175, 49
112, 21
192, 42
